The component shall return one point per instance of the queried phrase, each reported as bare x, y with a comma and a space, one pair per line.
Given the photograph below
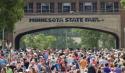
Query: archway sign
107, 23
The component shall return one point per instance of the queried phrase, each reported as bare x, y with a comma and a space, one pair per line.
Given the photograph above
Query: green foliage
10, 12
91, 38
63, 38
108, 40
64, 42
39, 41
123, 3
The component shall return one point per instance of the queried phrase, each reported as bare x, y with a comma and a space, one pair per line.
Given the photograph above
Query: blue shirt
107, 70
39, 68
3, 62
45, 56
118, 70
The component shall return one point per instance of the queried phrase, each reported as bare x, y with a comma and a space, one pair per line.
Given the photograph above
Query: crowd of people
62, 61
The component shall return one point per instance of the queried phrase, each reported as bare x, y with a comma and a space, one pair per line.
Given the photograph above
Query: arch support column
123, 28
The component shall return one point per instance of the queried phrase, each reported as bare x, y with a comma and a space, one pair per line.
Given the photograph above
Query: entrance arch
19, 36
33, 23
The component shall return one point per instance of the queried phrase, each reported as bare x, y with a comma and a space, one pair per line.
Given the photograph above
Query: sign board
57, 20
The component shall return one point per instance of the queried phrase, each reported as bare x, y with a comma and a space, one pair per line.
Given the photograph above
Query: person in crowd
8, 69
99, 70
106, 68
117, 69
83, 64
91, 69
62, 61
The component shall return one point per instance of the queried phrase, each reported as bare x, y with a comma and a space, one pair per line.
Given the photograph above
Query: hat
7, 65
35, 53
41, 56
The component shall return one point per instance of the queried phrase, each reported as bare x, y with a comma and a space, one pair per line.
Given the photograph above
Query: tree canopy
39, 41
123, 3
69, 38
10, 12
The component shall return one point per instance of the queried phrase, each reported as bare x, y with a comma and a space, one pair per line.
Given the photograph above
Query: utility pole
66, 40
3, 33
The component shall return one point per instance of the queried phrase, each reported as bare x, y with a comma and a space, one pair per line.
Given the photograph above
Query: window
102, 7
81, 7
73, 7
66, 7
38, 8
45, 7
59, 7
88, 7
52, 7
109, 6
28, 8
116, 6
94, 6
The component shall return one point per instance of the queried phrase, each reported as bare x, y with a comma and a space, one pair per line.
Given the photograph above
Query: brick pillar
56, 7
34, 7
122, 13
77, 6
98, 6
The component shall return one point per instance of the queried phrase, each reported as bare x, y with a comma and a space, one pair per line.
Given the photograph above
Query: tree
64, 38
11, 11
91, 39
70, 38
123, 3
108, 41
39, 41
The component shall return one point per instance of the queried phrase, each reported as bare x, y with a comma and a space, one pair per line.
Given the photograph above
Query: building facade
71, 6
102, 15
